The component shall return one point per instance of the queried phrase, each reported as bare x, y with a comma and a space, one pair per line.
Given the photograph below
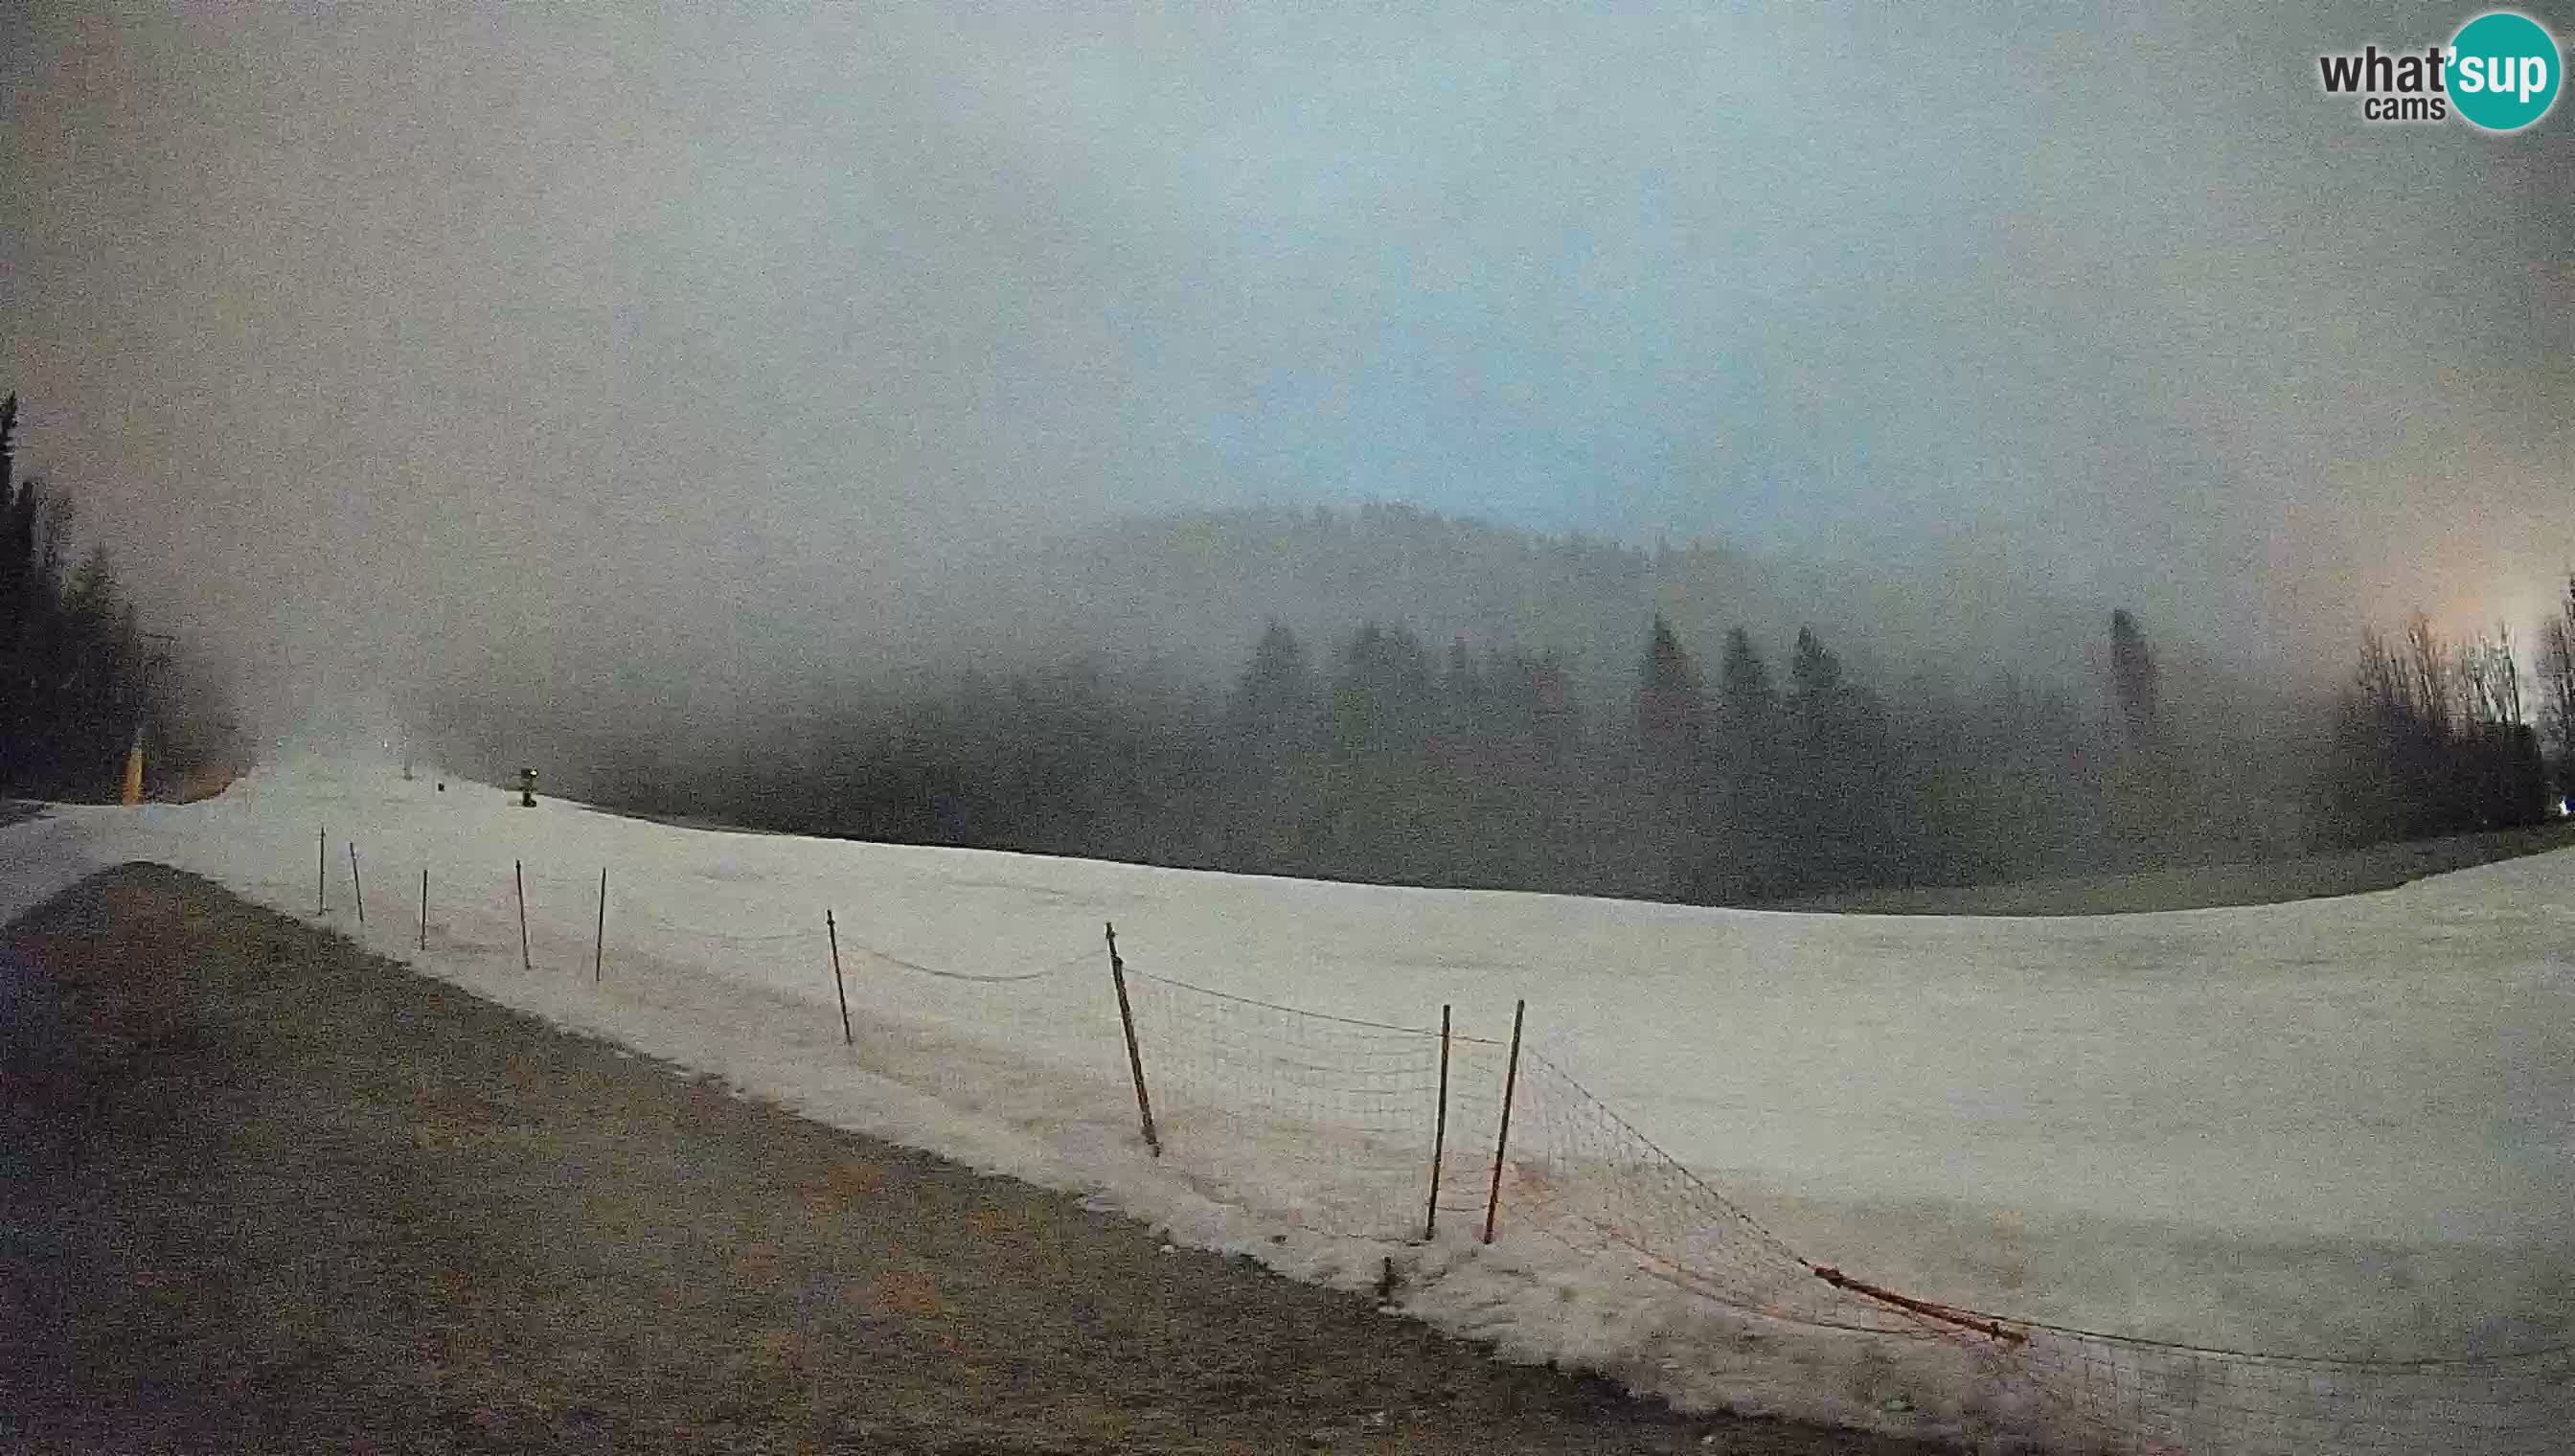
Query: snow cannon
527, 789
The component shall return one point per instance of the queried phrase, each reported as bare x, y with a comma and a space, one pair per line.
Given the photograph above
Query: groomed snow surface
2333, 1129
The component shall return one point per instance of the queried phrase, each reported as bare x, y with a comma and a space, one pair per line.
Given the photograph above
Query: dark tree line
79, 677
1381, 759
2556, 688
1761, 791
2433, 738
1736, 777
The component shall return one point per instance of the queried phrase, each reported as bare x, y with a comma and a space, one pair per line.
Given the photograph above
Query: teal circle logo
2503, 71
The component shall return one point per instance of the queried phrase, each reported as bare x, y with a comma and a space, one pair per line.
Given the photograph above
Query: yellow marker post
134, 769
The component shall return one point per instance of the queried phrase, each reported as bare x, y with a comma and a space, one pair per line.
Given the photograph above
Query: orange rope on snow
1923, 1307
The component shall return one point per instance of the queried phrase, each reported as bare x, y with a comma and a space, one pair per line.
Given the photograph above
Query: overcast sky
344, 322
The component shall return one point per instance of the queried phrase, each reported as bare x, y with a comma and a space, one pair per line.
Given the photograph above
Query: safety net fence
1411, 1133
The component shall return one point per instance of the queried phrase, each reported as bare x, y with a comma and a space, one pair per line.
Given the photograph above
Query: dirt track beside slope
261, 1190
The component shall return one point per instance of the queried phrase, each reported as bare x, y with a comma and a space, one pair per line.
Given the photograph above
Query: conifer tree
1671, 711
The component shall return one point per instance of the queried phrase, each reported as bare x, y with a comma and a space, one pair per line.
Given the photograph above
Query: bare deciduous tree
2557, 681
2431, 680
2489, 680
2385, 683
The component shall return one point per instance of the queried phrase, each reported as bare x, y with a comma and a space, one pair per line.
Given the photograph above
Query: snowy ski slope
2338, 1127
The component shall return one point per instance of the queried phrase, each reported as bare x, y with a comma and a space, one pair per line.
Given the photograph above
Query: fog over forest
1432, 702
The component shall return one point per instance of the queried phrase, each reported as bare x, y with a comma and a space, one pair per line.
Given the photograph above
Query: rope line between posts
719, 937
1387, 1026
1018, 976
2301, 1362
1746, 1220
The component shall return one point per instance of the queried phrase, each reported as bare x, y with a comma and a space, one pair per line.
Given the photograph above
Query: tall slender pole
833, 929
1439, 1132
599, 947
321, 870
1134, 1056
423, 907
518, 876
357, 890
1502, 1142
133, 795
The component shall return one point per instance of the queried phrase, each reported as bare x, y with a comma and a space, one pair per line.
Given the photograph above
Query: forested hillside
80, 677
1728, 765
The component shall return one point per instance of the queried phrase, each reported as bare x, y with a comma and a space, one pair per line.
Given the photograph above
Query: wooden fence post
357, 889
832, 927
1438, 1133
1502, 1142
321, 870
599, 947
1134, 1056
423, 907
518, 877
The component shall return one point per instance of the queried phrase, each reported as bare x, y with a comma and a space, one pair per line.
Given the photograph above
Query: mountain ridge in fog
1099, 692
1188, 591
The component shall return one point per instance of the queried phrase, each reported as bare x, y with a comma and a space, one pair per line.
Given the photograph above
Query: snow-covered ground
2337, 1127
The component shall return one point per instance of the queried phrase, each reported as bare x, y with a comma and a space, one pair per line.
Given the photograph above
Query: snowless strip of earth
2333, 1127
